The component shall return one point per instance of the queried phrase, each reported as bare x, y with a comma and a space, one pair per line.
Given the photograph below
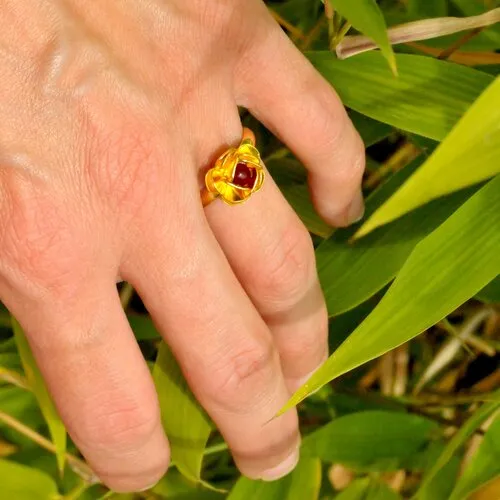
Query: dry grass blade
451, 348
78, 466
417, 31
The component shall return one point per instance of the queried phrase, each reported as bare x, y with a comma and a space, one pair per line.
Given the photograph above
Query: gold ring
236, 175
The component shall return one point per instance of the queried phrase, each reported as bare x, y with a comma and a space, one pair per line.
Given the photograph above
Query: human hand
109, 113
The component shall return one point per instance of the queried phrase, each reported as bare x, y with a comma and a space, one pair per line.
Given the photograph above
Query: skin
110, 113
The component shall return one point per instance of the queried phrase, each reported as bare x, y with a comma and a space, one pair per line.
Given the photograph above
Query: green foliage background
392, 418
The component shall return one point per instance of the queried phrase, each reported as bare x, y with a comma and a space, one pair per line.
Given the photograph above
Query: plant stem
78, 466
216, 448
14, 378
446, 53
287, 25
126, 294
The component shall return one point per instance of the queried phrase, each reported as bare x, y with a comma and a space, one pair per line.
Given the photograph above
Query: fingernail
283, 468
356, 209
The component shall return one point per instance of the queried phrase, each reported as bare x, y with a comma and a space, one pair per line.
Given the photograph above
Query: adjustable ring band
236, 175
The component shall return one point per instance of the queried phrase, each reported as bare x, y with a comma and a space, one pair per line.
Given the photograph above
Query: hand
109, 110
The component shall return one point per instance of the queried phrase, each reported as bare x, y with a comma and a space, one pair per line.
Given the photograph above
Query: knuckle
120, 428
289, 268
243, 374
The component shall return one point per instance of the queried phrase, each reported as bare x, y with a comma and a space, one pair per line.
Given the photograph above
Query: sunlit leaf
185, 423
37, 384
18, 482
430, 285
425, 98
366, 17
470, 154
352, 271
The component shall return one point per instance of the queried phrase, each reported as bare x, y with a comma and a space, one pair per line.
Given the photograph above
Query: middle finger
222, 344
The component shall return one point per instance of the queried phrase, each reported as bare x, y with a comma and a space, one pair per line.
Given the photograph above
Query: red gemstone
244, 176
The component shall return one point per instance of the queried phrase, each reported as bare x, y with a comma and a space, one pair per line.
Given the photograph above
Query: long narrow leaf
459, 439
484, 465
37, 384
444, 270
428, 97
366, 17
185, 423
470, 154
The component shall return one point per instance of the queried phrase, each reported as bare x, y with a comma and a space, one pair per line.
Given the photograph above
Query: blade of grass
35, 380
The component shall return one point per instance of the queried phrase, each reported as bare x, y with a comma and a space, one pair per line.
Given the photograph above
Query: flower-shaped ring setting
236, 175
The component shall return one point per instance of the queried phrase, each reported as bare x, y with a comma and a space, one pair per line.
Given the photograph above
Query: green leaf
371, 131
370, 440
303, 483
444, 270
357, 490
143, 327
475, 8
484, 465
366, 17
462, 435
470, 154
185, 423
367, 489
424, 8
351, 272
37, 384
175, 486
380, 491
291, 179
18, 482
441, 485
428, 98
491, 292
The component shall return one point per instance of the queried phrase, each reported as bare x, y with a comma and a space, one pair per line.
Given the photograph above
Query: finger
99, 381
222, 344
283, 90
272, 255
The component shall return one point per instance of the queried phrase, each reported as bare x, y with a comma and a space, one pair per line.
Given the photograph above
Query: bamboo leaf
444, 270
35, 380
304, 482
19, 482
491, 292
366, 17
370, 439
484, 466
462, 435
291, 178
185, 423
470, 154
428, 98
351, 272
367, 489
